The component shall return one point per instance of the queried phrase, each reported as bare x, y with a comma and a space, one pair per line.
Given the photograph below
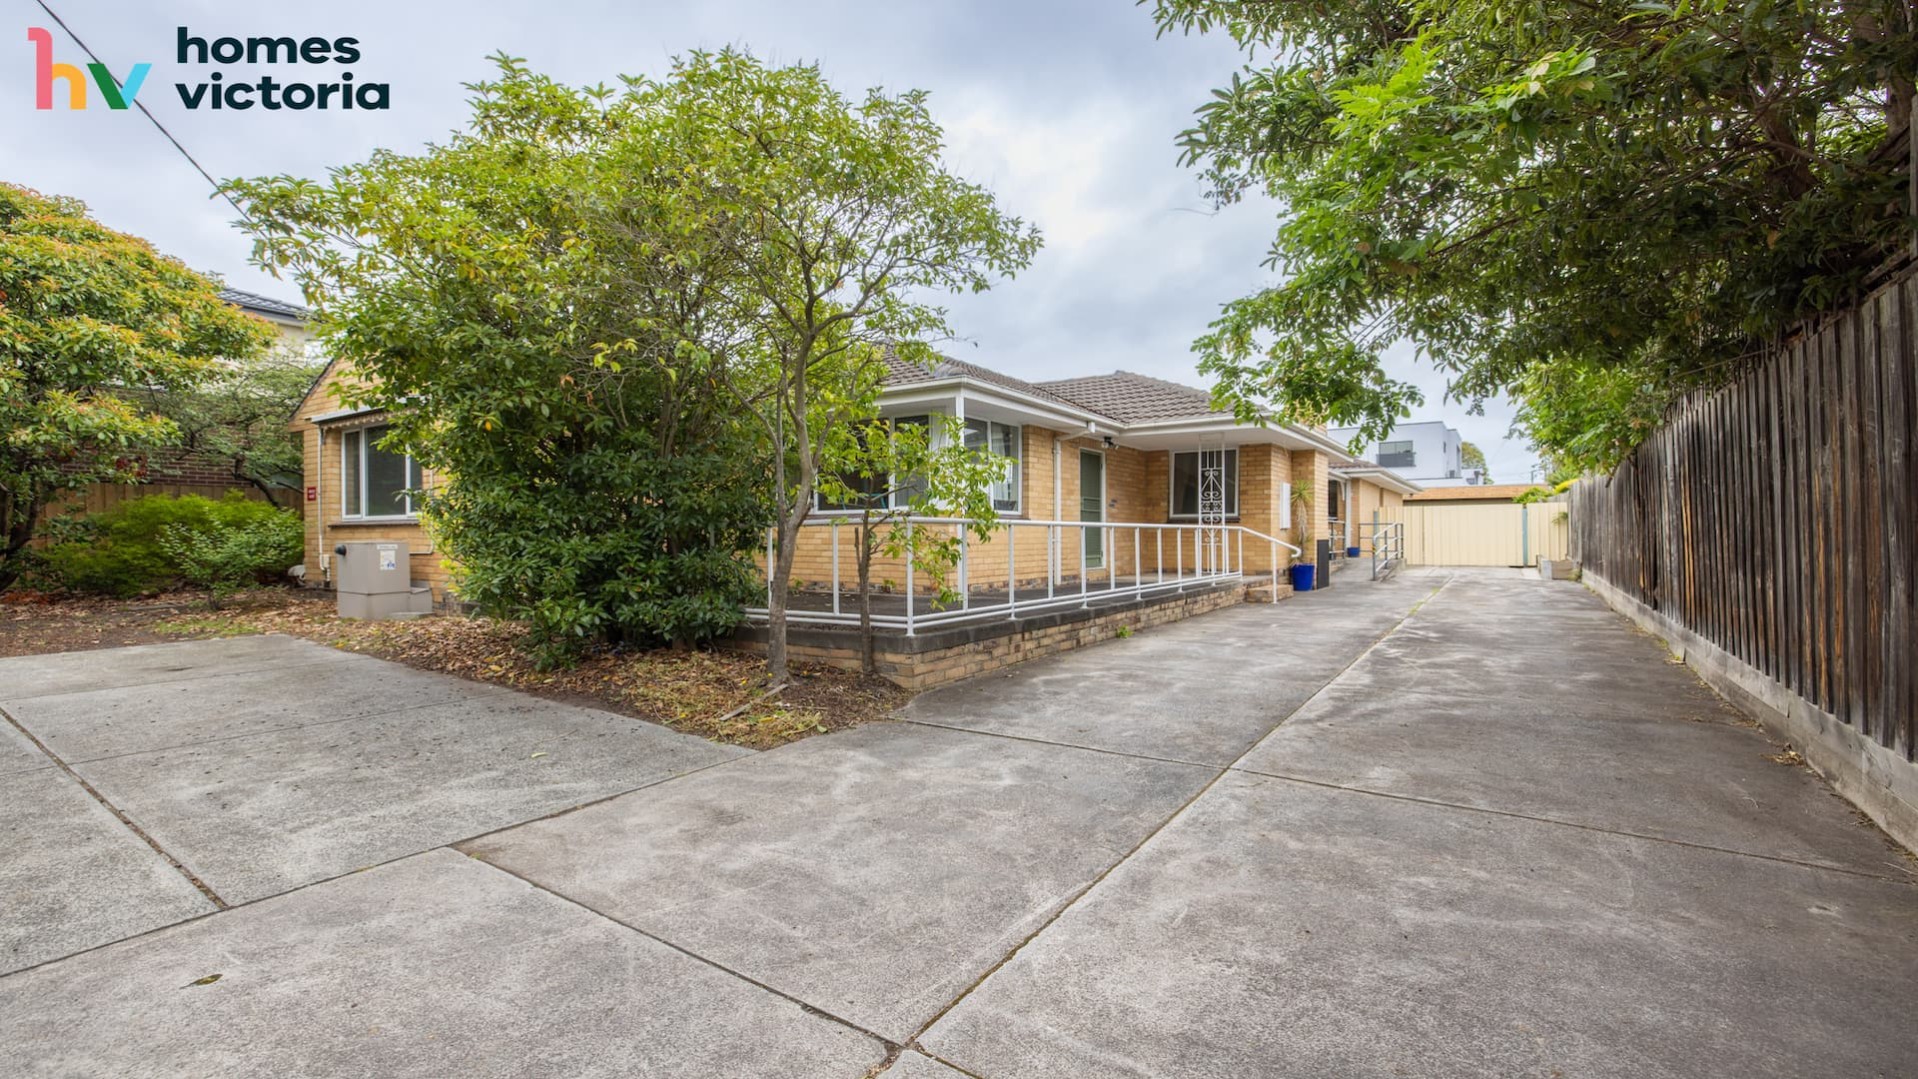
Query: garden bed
715, 695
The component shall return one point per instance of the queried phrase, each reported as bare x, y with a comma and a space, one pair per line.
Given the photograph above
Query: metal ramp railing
1388, 548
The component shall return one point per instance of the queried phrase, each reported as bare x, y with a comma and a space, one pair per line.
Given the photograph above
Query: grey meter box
374, 580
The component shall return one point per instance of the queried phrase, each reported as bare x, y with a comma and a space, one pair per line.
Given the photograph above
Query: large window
879, 492
1397, 454
1186, 476
375, 482
990, 436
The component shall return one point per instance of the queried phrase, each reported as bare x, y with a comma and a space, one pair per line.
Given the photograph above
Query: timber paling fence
1778, 517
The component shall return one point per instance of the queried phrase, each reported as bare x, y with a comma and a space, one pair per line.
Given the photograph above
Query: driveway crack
118, 813
1229, 768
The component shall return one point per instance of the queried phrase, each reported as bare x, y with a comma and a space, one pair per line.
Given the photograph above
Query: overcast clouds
1066, 110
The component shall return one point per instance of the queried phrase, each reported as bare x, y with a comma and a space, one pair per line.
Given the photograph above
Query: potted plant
1303, 570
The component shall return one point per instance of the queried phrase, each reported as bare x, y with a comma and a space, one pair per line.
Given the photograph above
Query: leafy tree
886, 472
1631, 197
579, 308
87, 313
237, 415
1470, 456
529, 302
836, 225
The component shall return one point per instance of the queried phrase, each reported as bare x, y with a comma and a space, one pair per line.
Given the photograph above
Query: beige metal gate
1497, 535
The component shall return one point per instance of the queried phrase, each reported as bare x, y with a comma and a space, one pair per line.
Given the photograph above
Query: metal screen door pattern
1212, 498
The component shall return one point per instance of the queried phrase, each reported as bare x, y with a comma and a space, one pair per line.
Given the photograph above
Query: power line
237, 208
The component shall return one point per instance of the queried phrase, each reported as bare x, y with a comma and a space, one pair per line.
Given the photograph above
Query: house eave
978, 389
340, 415
1382, 477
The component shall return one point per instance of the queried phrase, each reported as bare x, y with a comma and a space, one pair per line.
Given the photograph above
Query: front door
1092, 505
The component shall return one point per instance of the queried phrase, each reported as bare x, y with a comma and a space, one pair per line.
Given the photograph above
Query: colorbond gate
1498, 535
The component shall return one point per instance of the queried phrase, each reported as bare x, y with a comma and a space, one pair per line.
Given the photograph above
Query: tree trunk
868, 660
777, 670
22, 516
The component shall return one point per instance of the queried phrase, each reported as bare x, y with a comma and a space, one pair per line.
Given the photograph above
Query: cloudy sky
1067, 109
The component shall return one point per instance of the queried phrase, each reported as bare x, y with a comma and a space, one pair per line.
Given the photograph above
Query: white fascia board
1288, 435
342, 414
946, 389
1383, 477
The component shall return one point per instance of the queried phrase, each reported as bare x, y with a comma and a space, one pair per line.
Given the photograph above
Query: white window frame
1172, 491
347, 513
1015, 477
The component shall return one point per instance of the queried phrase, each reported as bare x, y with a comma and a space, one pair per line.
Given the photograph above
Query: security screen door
1092, 505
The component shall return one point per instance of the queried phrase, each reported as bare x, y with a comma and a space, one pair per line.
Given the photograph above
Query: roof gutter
1384, 477
1331, 447
988, 389
342, 414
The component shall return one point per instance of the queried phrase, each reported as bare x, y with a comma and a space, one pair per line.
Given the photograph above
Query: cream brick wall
1369, 498
1311, 470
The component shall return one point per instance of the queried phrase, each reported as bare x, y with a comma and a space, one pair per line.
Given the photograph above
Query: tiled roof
1132, 398
905, 373
253, 301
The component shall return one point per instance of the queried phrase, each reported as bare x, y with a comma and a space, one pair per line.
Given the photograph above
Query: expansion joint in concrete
1230, 767
118, 813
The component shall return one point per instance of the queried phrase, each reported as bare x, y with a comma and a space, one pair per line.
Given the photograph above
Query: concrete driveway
1452, 824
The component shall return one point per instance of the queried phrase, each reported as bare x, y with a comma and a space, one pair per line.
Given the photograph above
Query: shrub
225, 558
126, 550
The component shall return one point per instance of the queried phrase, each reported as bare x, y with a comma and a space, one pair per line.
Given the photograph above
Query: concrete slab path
1450, 824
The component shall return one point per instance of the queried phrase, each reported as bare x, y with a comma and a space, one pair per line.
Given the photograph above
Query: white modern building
1425, 453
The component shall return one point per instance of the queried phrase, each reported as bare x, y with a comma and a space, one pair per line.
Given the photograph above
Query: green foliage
238, 415
86, 313
622, 322
888, 472
1302, 522
225, 556
1470, 456
1595, 207
134, 548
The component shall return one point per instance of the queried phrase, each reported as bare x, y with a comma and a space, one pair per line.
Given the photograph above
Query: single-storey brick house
357, 490
1114, 455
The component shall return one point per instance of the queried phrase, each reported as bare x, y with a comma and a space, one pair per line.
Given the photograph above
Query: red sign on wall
312, 494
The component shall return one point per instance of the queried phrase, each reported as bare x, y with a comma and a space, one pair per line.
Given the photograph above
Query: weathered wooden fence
1778, 518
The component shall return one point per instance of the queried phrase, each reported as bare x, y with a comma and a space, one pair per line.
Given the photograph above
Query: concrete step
1262, 592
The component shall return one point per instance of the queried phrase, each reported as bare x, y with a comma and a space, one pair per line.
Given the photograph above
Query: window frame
1172, 479
414, 477
819, 504
1015, 476
1409, 453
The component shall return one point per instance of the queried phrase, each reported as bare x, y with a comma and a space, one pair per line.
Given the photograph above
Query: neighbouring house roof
1372, 472
906, 373
1489, 492
265, 305
1132, 398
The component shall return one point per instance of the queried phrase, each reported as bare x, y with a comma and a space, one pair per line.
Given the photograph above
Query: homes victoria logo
318, 85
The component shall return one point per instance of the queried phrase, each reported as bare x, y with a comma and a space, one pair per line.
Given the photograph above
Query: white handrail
1219, 566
